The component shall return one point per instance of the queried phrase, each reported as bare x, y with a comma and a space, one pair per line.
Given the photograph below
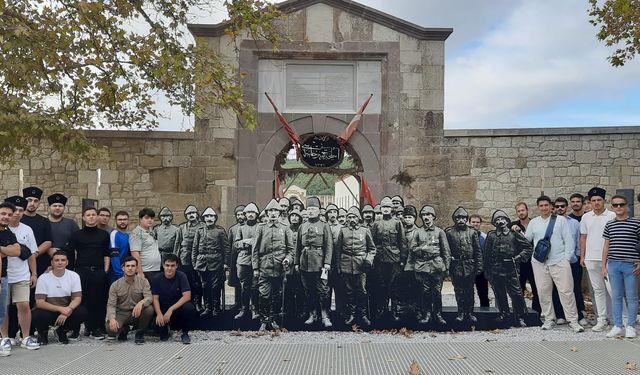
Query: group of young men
376, 261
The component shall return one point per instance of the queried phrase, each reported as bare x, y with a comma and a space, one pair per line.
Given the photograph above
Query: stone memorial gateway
339, 53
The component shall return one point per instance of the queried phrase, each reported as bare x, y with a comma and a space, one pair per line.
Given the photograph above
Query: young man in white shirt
21, 274
591, 245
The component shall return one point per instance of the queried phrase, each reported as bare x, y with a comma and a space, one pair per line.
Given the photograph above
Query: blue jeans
4, 297
623, 283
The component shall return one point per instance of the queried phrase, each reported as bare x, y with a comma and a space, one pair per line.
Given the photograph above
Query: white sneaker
615, 332
576, 327
30, 343
561, 321
600, 325
548, 324
583, 322
5, 347
630, 332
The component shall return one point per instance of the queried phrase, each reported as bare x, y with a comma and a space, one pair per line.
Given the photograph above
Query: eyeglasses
560, 206
618, 205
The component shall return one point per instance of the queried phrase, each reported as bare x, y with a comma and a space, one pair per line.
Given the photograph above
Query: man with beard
342, 216
377, 213
210, 258
166, 231
355, 252
526, 270
295, 298
391, 256
119, 245
577, 206
406, 294
429, 258
41, 228
104, 216
61, 227
397, 203
233, 280
505, 250
313, 259
296, 204
184, 247
331, 214
284, 205
271, 255
242, 245
466, 262
367, 216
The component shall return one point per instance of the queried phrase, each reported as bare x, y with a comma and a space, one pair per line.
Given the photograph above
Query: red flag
290, 132
353, 125
279, 193
365, 192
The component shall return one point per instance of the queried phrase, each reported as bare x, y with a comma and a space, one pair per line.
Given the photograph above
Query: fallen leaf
487, 370
356, 328
630, 365
433, 334
497, 331
414, 369
286, 360
573, 349
406, 332
457, 357
178, 358
235, 333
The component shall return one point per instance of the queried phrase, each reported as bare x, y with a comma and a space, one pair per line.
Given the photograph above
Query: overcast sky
516, 63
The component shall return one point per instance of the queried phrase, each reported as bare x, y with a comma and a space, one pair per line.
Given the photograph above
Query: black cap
17, 201
410, 211
597, 192
32, 192
313, 202
57, 198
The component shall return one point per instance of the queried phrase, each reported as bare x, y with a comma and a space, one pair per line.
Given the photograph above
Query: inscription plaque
320, 87
321, 151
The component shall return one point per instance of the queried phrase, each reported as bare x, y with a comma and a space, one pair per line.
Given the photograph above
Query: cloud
543, 54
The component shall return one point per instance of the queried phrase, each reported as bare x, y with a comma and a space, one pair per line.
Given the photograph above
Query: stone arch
367, 152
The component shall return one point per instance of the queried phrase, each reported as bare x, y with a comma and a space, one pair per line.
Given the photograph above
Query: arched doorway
338, 184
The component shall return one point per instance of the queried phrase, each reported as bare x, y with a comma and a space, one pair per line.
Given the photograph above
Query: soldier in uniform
367, 216
377, 213
296, 204
314, 250
166, 231
183, 248
355, 252
335, 286
284, 205
210, 257
233, 280
342, 216
295, 297
391, 256
466, 262
397, 202
399, 213
428, 259
407, 295
242, 246
505, 250
271, 255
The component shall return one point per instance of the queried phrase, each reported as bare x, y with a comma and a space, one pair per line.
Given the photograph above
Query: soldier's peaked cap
397, 198
57, 198
367, 208
497, 214
209, 211
332, 207
313, 202
353, 210
427, 210
386, 202
273, 205
295, 211
410, 211
32, 191
251, 207
239, 208
342, 212
17, 201
164, 211
190, 208
284, 199
460, 212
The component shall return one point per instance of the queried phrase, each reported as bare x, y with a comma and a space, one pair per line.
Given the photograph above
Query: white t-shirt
593, 225
59, 290
18, 269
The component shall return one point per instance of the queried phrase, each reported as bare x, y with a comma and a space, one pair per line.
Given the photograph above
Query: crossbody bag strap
552, 223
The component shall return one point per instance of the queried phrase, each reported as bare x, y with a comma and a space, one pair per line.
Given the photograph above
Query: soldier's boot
424, 319
460, 316
472, 318
519, 322
438, 319
217, 309
394, 311
207, 306
350, 320
242, 314
254, 314
313, 317
263, 327
326, 322
502, 317
274, 325
365, 321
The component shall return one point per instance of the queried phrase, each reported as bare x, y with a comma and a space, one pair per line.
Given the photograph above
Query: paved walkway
334, 358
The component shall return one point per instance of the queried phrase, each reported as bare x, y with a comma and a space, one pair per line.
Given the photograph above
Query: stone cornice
142, 134
522, 132
357, 9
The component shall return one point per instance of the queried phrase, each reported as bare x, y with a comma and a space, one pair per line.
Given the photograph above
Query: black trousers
295, 299
508, 285
576, 272
526, 274
385, 285
94, 296
212, 282
270, 289
249, 285
316, 290
182, 319
430, 288
482, 287
463, 288
356, 294
41, 319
